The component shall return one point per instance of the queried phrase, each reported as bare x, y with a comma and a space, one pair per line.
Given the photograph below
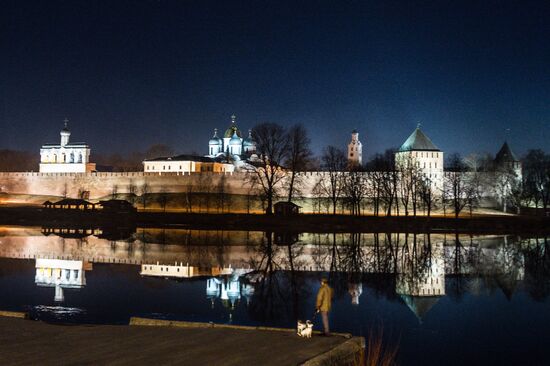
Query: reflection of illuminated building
248, 291
230, 291
183, 271
422, 281
228, 288
355, 290
60, 274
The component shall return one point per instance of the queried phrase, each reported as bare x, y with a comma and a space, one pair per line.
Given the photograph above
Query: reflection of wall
179, 270
314, 252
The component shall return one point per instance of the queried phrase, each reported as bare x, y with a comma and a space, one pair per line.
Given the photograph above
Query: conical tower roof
420, 305
505, 155
418, 141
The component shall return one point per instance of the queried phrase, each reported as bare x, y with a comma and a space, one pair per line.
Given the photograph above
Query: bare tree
384, 180
162, 199
536, 171
505, 181
333, 162
222, 195
299, 157
114, 191
272, 150
409, 183
144, 194
355, 189
132, 189
457, 187
426, 194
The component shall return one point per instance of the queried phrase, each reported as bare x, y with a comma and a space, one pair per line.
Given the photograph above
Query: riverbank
479, 224
26, 342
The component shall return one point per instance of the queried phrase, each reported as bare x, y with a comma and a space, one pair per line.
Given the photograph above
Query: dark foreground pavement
27, 342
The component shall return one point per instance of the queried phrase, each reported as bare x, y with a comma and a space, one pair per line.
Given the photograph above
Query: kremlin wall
228, 170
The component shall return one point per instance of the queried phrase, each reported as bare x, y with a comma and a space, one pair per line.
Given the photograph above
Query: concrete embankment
149, 342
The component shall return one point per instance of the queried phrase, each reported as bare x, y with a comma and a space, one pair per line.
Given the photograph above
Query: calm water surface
441, 298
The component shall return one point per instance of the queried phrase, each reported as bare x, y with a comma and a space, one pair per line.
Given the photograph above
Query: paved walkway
27, 342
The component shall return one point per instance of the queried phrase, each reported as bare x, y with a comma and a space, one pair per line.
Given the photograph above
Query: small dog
305, 329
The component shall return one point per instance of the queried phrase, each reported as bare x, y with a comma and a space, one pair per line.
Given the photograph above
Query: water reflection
61, 274
267, 268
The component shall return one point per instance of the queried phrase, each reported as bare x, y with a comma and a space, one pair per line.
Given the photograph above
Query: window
351, 155
435, 165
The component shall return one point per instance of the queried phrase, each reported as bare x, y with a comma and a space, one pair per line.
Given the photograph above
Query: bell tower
355, 150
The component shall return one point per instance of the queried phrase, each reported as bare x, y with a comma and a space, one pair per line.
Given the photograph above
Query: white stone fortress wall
101, 185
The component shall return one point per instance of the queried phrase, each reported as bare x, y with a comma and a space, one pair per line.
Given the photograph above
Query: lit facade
420, 153
355, 150
232, 143
183, 164
65, 157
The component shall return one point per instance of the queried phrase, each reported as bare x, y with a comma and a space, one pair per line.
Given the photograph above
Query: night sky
129, 74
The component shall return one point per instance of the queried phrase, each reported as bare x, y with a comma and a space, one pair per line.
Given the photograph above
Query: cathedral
232, 145
226, 154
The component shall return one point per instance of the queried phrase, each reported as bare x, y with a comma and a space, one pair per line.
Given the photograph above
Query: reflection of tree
416, 261
277, 293
537, 269
458, 285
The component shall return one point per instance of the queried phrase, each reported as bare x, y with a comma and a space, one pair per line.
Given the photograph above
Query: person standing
324, 303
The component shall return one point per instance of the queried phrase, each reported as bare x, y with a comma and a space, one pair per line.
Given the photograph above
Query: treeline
18, 161
388, 189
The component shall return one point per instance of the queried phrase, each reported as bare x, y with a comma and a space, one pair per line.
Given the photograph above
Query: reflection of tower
212, 289
509, 263
248, 291
231, 291
60, 274
59, 296
355, 290
422, 281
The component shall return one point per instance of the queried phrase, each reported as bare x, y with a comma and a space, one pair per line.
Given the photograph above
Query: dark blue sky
129, 74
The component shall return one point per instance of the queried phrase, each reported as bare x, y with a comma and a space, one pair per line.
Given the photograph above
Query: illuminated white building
60, 274
232, 144
65, 157
355, 150
421, 282
419, 152
183, 164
